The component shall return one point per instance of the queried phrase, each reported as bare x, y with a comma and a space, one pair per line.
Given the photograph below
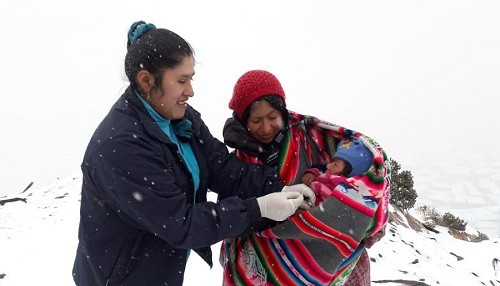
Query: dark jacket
137, 217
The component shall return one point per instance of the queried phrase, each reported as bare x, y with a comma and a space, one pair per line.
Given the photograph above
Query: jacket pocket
126, 259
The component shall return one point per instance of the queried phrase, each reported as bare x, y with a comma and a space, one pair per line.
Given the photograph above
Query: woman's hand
279, 206
308, 193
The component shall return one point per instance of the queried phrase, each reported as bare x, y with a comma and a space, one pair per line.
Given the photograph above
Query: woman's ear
145, 81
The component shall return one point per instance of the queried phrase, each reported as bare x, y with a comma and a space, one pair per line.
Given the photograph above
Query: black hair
347, 169
275, 101
154, 50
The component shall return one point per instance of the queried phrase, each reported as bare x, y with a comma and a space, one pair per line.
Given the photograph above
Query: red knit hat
251, 86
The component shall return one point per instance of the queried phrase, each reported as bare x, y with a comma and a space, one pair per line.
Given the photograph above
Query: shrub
452, 221
479, 237
403, 195
429, 213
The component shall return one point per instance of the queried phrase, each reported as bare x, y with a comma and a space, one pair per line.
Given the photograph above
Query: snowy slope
434, 258
38, 241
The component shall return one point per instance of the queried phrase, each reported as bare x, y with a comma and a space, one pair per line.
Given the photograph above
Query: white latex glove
279, 206
308, 193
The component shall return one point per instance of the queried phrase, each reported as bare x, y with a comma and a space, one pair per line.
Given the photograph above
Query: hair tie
137, 29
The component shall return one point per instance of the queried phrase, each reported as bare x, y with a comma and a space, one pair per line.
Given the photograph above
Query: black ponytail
153, 49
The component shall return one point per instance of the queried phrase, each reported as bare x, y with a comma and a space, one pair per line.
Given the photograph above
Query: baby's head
352, 158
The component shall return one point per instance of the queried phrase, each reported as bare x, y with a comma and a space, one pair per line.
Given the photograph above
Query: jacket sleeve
316, 169
231, 177
141, 188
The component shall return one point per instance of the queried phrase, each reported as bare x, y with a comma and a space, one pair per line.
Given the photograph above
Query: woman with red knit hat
326, 244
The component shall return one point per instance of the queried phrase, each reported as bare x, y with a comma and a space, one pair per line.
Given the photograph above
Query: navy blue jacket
137, 216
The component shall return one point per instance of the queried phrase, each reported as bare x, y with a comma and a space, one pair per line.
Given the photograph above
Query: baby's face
336, 167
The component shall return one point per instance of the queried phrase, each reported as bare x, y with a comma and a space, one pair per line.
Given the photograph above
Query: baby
352, 158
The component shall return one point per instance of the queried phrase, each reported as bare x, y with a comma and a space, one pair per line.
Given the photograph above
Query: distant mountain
38, 237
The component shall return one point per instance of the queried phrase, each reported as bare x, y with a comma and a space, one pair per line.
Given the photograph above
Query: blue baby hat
355, 153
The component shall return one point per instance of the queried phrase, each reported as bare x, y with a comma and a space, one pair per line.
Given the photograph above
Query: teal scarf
185, 149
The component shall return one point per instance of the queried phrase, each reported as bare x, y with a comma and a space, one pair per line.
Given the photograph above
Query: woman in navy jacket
147, 169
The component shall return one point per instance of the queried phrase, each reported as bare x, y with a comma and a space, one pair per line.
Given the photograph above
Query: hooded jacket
140, 214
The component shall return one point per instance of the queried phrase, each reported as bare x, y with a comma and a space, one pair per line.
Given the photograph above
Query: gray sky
421, 77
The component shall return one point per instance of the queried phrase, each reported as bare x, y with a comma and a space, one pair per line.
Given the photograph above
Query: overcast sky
421, 77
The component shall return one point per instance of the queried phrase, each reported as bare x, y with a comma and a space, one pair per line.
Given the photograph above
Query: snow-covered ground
38, 241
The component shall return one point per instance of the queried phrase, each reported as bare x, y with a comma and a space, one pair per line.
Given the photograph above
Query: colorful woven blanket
320, 246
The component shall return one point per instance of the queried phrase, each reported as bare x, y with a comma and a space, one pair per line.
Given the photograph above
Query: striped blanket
320, 246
